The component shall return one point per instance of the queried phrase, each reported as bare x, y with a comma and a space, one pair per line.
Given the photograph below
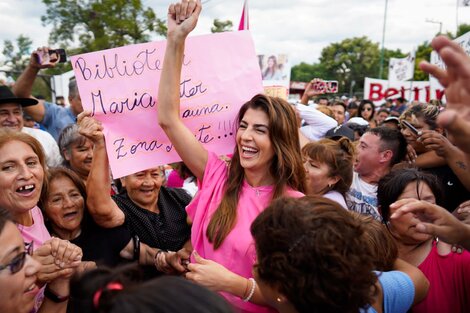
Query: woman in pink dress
266, 164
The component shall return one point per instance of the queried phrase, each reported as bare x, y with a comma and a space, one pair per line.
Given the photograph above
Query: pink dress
237, 252
449, 283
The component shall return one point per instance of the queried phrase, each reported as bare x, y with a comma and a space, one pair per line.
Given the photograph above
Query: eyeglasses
366, 109
18, 262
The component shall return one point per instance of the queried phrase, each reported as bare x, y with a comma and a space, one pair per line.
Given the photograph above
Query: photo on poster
275, 68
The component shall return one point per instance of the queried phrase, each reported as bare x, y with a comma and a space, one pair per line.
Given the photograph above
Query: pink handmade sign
120, 87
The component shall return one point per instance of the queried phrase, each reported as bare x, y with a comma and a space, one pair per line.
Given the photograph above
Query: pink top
237, 252
449, 280
37, 232
174, 180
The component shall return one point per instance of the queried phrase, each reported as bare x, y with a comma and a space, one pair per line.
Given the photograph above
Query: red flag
244, 20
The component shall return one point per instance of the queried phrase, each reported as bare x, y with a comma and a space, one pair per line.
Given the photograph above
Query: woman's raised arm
182, 19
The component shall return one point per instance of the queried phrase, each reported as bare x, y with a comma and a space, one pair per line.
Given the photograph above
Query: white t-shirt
49, 145
337, 197
318, 122
362, 197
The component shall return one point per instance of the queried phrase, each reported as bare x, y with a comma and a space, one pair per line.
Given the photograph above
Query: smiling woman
265, 165
155, 214
76, 150
17, 269
22, 177
63, 201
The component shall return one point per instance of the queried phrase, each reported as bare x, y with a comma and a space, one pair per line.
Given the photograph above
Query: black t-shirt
167, 230
454, 191
102, 245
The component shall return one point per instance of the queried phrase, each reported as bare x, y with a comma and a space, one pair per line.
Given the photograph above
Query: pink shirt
174, 180
237, 252
37, 232
449, 279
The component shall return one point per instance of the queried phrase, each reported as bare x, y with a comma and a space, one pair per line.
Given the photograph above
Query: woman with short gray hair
76, 150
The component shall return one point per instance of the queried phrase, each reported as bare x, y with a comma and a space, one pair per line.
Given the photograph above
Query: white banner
402, 69
378, 90
464, 42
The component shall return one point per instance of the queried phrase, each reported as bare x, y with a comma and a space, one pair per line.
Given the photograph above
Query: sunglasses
18, 262
366, 109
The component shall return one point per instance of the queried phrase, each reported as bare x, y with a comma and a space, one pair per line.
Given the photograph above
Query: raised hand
456, 80
182, 17
435, 221
40, 58
90, 127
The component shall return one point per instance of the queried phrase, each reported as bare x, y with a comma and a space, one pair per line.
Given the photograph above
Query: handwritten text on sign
120, 86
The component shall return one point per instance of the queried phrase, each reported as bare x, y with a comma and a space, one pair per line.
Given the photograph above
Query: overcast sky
300, 28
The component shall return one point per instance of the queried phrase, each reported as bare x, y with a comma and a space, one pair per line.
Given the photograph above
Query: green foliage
101, 24
221, 26
351, 60
462, 29
16, 54
304, 72
423, 53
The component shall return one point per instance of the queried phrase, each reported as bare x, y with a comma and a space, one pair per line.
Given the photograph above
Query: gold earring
278, 299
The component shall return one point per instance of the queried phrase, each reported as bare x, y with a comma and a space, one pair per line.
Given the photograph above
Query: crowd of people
325, 205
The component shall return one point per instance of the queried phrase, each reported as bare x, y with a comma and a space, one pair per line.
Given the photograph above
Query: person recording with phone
52, 116
315, 123
435, 153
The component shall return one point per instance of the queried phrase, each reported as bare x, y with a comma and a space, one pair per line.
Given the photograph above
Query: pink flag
244, 20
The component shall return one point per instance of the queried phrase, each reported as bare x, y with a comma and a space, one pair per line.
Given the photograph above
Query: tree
100, 24
423, 53
222, 26
306, 72
16, 58
462, 29
351, 60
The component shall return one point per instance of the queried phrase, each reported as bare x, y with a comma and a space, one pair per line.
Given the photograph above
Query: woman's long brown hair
286, 165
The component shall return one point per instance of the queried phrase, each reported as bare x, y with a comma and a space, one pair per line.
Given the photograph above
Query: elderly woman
64, 204
313, 257
329, 168
22, 177
76, 150
448, 272
154, 214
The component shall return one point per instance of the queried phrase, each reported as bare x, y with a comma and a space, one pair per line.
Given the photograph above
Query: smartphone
326, 86
319, 86
331, 86
411, 127
52, 56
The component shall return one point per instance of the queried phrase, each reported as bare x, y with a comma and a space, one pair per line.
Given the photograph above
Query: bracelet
157, 263
49, 294
252, 290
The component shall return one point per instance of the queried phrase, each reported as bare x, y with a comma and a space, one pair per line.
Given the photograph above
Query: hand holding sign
183, 16
90, 128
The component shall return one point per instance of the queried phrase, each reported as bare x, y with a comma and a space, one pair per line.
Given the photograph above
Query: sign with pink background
120, 87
